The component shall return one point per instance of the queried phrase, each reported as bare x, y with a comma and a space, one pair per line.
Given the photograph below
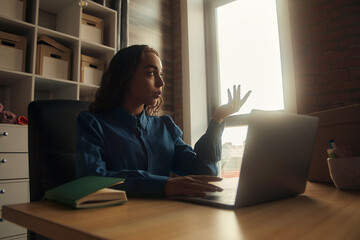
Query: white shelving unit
61, 21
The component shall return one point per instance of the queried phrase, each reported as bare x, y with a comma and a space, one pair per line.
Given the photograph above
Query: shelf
9, 76
62, 16
15, 91
55, 6
63, 38
54, 89
87, 92
61, 21
96, 47
97, 51
52, 83
15, 26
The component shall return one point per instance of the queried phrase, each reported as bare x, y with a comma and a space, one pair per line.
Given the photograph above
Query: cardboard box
12, 51
92, 70
13, 9
52, 58
92, 29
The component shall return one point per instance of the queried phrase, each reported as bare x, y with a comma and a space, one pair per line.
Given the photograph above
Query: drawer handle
2, 191
3, 160
5, 134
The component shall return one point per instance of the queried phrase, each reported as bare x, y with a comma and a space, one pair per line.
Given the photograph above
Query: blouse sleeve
205, 155
90, 161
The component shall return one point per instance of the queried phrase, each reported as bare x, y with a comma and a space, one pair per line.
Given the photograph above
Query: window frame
212, 61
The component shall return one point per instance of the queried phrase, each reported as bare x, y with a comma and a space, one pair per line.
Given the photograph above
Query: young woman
121, 136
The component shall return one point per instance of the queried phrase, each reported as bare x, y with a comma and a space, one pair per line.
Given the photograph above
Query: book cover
88, 192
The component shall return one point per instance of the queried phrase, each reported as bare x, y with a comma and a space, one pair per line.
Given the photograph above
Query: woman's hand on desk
233, 105
192, 185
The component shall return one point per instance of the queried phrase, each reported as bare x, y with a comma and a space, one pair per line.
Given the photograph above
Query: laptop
275, 163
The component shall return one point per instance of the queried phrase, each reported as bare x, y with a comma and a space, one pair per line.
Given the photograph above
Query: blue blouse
143, 150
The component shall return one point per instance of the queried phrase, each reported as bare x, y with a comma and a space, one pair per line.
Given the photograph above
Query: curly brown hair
116, 80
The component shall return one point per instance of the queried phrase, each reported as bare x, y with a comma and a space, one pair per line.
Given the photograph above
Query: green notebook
88, 192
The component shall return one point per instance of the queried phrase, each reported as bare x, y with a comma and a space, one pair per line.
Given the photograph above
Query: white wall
287, 58
193, 70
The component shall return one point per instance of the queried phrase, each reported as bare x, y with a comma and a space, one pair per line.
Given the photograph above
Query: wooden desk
323, 212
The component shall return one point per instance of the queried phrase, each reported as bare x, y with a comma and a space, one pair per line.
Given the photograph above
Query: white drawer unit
11, 231
14, 166
14, 191
14, 175
13, 138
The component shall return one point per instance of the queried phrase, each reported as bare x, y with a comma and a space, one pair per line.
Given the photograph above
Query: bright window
233, 145
249, 52
248, 43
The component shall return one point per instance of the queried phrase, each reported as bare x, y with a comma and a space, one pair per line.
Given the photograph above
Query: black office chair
52, 143
52, 146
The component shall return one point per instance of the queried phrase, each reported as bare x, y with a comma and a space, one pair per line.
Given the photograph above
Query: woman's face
147, 83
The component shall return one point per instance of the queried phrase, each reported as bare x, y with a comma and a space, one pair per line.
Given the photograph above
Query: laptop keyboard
225, 196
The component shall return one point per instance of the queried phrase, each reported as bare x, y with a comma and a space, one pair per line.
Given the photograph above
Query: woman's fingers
206, 178
237, 97
243, 100
201, 182
201, 187
229, 96
237, 101
234, 104
233, 100
191, 185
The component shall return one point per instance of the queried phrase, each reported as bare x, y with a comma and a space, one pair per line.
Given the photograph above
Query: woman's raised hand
233, 105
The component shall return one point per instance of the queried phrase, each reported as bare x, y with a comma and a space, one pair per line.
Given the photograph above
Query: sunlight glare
249, 53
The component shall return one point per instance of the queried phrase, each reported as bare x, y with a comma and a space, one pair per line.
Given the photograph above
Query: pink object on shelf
7, 117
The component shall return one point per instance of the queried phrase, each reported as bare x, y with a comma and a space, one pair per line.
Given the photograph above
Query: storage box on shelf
97, 55
13, 9
14, 174
92, 70
92, 28
108, 18
57, 82
52, 58
23, 30
12, 51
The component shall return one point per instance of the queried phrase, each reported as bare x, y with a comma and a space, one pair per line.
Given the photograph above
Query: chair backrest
52, 143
